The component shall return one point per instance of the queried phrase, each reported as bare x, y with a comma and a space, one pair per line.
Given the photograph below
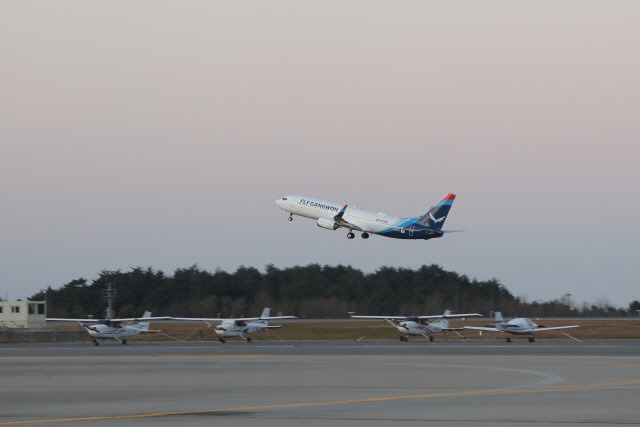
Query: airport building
23, 314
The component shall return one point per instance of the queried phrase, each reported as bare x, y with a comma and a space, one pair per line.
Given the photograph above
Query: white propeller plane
238, 327
114, 329
518, 326
419, 325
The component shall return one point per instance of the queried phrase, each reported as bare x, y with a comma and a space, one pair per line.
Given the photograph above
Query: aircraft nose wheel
290, 218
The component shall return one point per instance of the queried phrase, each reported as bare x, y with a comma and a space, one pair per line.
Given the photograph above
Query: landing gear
404, 338
365, 235
508, 339
430, 338
350, 235
222, 340
532, 339
124, 342
248, 339
290, 217
95, 342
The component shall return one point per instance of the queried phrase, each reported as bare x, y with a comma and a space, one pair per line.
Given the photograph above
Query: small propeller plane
238, 327
518, 326
114, 329
419, 325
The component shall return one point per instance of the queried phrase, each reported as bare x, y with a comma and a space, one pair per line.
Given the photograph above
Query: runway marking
216, 356
601, 363
583, 387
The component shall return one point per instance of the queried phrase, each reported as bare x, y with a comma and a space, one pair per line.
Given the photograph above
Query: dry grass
381, 330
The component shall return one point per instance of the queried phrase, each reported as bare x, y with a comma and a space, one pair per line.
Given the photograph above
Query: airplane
518, 326
114, 329
239, 327
419, 325
331, 216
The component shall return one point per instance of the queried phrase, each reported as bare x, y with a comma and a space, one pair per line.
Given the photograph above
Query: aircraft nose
282, 203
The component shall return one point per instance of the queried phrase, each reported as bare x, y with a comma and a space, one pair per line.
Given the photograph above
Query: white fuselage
236, 328
519, 325
110, 332
316, 209
410, 327
366, 221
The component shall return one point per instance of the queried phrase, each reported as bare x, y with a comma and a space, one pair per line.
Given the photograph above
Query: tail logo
436, 220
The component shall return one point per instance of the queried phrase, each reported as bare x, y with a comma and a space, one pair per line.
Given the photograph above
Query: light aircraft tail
499, 321
144, 326
434, 218
443, 322
265, 312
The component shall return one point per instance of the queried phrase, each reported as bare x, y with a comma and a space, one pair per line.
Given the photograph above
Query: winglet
341, 213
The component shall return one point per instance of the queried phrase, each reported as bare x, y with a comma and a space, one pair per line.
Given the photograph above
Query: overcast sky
159, 134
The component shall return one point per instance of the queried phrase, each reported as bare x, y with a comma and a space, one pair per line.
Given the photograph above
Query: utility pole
110, 295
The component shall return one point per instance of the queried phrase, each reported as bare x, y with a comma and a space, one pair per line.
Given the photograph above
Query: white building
23, 314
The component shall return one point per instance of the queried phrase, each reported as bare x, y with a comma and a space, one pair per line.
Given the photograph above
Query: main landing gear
364, 235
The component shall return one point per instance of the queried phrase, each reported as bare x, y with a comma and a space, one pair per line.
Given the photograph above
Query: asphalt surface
444, 383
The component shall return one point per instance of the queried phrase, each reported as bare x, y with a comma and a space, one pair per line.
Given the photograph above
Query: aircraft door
413, 227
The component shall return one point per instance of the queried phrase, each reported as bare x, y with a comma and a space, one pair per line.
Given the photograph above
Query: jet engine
327, 223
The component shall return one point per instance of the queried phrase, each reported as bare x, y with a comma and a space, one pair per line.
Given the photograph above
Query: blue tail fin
434, 218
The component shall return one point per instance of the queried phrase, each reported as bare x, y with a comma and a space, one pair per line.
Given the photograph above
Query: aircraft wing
353, 316
451, 316
93, 320
56, 319
480, 328
218, 319
555, 327
276, 318
437, 316
142, 319
339, 219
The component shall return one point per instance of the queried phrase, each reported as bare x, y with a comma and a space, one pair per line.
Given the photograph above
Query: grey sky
158, 134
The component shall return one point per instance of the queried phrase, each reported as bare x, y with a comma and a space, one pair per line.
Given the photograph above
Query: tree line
312, 291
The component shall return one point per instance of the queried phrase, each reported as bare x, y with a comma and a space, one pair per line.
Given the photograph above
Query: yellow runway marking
613, 385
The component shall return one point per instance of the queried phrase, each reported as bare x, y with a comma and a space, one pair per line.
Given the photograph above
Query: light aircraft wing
540, 329
218, 319
451, 316
339, 219
480, 328
436, 316
56, 319
353, 316
142, 319
93, 320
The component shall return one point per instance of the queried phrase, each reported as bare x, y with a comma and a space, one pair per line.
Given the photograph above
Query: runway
450, 383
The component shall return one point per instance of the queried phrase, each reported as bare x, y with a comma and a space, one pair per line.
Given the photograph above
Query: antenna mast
110, 295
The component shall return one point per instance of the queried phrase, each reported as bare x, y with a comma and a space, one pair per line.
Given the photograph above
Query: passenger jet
332, 216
